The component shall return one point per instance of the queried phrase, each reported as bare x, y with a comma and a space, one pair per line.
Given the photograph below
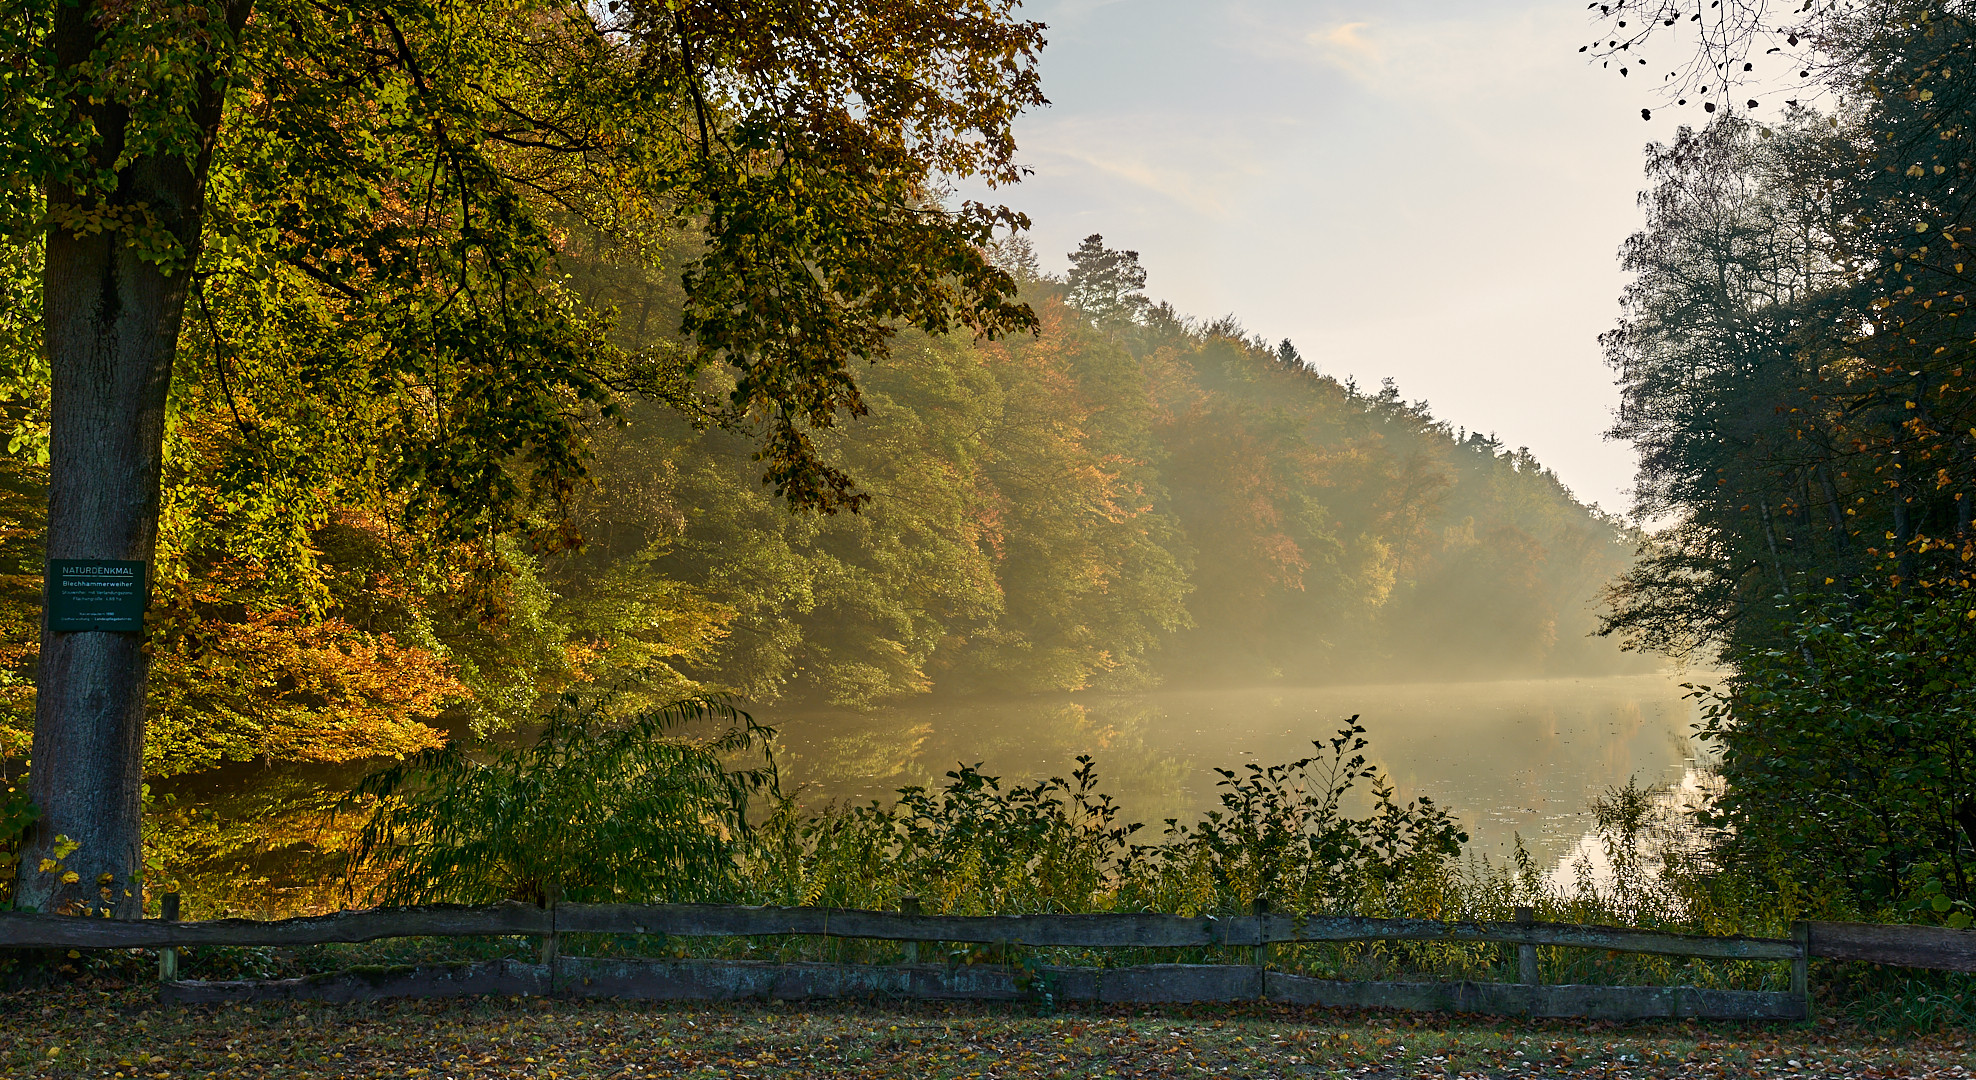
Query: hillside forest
1126, 498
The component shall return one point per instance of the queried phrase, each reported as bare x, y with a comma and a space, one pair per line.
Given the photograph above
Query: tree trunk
112, 322
111, 331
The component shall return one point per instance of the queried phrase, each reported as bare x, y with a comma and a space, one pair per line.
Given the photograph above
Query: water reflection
1510, 758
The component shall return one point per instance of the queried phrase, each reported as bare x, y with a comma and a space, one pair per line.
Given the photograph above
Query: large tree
393, 184
1794, 348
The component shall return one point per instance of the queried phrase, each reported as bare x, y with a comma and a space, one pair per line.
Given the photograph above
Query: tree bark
111, 324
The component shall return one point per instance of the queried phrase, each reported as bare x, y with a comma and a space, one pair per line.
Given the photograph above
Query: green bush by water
647, 811
596, 809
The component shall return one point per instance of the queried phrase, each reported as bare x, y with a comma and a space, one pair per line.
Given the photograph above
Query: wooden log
168, 956
1526, 953
1122, 930
551, 944
1085, 931
1614, 938
1331, 994
647, 980
1510, 999
75, 932
734, 980
497, 977
730, 980
1801, 964
1137, 930
1933, 947
1156, 983
909, 905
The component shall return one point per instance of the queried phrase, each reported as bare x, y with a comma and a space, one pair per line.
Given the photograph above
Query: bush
1849, 755
1282, 834
970, 847
595, 810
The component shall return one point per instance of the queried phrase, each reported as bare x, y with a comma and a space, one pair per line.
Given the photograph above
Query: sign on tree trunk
96, 594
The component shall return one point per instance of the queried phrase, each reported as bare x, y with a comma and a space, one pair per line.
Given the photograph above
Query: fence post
168, 956
1526, 953
909, 905
1259, 908
552, 944
1801, 967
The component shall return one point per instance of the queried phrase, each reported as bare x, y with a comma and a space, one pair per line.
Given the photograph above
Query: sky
1433, 192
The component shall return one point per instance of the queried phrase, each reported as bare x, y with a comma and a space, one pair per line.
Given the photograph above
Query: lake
1510, 758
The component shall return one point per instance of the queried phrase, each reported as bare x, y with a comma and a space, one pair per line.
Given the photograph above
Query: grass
109, 1032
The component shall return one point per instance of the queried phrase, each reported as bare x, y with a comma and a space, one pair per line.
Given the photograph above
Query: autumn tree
396, 184
1795, 360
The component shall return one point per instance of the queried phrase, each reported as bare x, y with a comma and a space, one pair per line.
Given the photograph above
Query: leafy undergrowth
73, 1032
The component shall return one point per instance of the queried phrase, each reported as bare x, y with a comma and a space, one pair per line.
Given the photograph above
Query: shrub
1849, 755
1281, 833
595, 809
968, 847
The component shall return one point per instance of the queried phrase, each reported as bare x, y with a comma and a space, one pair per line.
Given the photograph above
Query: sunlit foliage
597, 808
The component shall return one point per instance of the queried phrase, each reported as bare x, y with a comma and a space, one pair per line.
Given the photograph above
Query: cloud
1346, 36
1196, 170
1442, 57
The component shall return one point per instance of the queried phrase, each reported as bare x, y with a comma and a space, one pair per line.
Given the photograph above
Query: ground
125, 1033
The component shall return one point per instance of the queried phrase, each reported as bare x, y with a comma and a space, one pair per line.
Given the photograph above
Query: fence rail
1928, 947
730, 980
720, 920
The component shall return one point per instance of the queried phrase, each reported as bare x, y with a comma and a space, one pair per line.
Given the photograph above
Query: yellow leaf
71, 878
49, 866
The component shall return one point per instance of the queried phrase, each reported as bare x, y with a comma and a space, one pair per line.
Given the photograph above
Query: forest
502, 400
1125, 498
1795, 361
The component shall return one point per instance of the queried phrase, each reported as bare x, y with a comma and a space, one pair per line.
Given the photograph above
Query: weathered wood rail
720, 920
1929, 947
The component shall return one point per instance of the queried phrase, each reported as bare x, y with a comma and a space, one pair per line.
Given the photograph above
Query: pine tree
1107, 285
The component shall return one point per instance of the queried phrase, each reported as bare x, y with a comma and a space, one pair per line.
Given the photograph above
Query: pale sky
1431, 191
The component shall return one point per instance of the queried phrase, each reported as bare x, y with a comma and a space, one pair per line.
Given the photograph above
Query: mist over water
1513, 757
1508, 758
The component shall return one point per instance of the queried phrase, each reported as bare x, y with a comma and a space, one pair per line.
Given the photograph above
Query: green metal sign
96, 594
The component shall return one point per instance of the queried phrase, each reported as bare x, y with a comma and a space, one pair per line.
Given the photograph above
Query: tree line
1124, 499
1796, 359
334, 318
343, 223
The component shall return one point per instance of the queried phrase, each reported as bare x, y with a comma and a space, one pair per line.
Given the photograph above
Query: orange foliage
273, 686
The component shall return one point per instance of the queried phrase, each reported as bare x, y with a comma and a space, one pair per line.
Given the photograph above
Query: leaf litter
126, 1034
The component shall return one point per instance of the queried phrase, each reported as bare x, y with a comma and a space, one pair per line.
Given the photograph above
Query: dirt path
78, 1033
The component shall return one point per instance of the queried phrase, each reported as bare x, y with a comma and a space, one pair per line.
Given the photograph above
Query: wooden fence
704, 979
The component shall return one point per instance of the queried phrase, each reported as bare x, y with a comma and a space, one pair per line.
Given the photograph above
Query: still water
1513, 758
1510, 759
